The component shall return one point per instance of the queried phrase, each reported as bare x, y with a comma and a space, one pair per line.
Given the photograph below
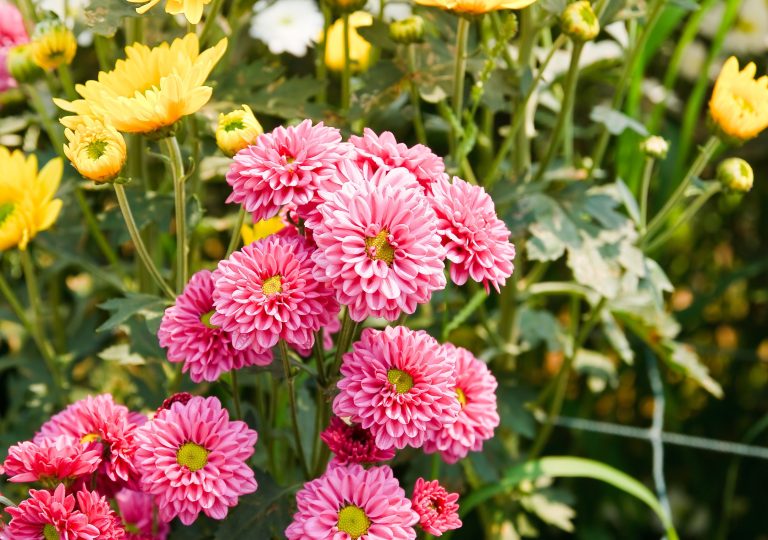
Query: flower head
476, 392
739, 103
151, 89
51, 461
475, 7
378, 244
285, 167
655, 147
291, 26
191, 9
261, 229
359, 48
351, 503
95, 149
139, 514
99, 514
236, 130
12, 32
398, 384
53, 44
353, 444
437, 509
476, 240
193, 459
27, 206
205, 349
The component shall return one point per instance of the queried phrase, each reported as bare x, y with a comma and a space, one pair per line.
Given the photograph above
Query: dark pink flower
353, 444
437, 509
12, 32
140, 516
100, 515
55, 460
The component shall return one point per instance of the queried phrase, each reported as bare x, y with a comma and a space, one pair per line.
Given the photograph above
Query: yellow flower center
192, 456
272, 285
402, 380
96, 149
89, 438
234, 124
6, 209
50, 532
378, 247
462, 397
353, 521
205, 318
743, 103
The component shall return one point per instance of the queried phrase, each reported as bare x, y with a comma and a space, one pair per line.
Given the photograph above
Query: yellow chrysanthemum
237, 130
27, 206
359, 49
151, 89
192, 9
475, 7
739, 103
96, 150
53, 45
261, 229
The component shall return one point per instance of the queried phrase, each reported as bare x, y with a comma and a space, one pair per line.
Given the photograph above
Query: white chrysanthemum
290, 26
749, 33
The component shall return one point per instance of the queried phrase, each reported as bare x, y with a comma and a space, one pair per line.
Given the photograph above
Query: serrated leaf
684, 358
616, 122
377, 34
122, 309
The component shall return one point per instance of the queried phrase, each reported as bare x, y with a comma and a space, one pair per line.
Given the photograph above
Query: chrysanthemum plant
464, 198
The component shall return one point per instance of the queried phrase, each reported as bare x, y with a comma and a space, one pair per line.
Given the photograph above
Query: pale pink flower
437, 509
476, 392
205, 349
139, 513
384, 152
377, 244
351, 503
476, 240
12, 32
353, 444
266, 292
285, 167
59, 459
193, 459
398, 384
100, 515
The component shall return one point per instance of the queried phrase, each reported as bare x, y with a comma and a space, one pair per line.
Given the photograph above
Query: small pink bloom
193, 459
398, 384
476, 392
351, 503
12, 32
437, 509
266, 292
205, 349
99, 514
140, 517
60, 459
353, 444
476, 240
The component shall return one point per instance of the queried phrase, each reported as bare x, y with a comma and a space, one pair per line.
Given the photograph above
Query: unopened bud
579, 21
53, 44
406, 31
735, 174
237, 130
655, 147
21, 66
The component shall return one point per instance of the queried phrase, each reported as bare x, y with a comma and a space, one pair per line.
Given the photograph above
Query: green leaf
106, 16
539, 326
616, 122
377, 34
599, 369
683, 358
464, 313
616, 337
122, 309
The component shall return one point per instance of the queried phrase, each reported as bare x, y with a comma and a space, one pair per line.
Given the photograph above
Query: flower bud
53, 44
21, 66
237, 130
735, 174
406, 31
655, 147
509, 26
96, 150
579, 21
346, 6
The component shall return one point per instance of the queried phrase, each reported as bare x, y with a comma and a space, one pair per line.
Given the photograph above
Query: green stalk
320, 357
290, 380
133, 231
54, 133
528, 33
346, 74
236, 395
101, 45
459, 74
235, 240
320, 68
418, 120
65, 76
173, 152
345, 337
210, 21
687, 215
647, 174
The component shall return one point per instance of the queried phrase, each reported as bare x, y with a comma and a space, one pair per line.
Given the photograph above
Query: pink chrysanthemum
139, 515
285, 167
266, 292
98, 420
384, 152
12, 32
437, 509
60, 459
351, 503
192, 458
476, 240
333, 326
398, 384
353, 444
190, 337
478, 417
100, 515
377, 243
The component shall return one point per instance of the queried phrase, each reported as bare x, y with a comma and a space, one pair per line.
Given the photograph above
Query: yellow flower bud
53, 44
96, 150
237, 130
739, 103
346, 6
406, 31
261, 229
579, 21
21, 66
655, 147
735, 174
359, 49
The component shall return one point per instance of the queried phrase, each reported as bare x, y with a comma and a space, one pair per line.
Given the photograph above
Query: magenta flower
193, 459
377, 244
285, 167
476, 240
399, 384
384, 152
60, 459
100, 515
205, 349
266, 292
353, 444
437, 509
12, 32
139, 514
478, 417
351, 503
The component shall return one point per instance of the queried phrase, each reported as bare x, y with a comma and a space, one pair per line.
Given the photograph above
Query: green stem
705, 154
647, 174
320, 68
459, 74
133, 231
95, 230
418, 120
236, 395
528, 33
566, 110
180, 203
687, 215
210, 21
235, 240
345, 337
320, 357
346, 74
290, 380
54, 133
65, 76
102, 45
